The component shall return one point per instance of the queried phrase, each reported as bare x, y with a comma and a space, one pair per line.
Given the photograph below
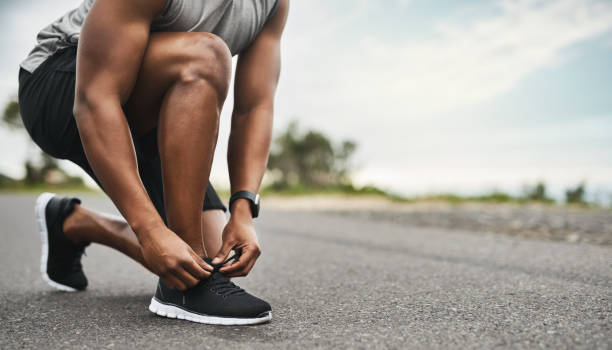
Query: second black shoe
60, 261
215, 300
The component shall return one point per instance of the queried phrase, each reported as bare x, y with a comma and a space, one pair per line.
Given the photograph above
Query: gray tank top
237, 22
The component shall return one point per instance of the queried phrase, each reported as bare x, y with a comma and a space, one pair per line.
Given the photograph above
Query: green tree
11, 116
576, 195
309, 159
537, 193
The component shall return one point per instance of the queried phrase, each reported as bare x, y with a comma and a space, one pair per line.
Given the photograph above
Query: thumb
200, 262
223, 253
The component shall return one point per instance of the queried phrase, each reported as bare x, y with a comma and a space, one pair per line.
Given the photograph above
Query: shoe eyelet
213, 290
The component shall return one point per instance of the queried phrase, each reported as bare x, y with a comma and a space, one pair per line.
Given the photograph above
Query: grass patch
494, 197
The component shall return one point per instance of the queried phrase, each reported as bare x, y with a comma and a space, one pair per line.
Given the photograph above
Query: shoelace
220, 284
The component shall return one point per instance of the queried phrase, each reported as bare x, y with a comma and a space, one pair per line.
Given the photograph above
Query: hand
239, 235
169, 257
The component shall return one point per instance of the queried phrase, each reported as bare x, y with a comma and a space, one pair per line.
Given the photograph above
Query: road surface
333, 282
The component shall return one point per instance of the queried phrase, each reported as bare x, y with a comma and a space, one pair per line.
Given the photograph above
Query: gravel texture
571, 224
567, 224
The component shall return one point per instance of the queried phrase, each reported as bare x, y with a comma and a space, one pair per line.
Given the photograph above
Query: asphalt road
333, 282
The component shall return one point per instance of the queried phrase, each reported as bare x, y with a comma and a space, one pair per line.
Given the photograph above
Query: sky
444, 96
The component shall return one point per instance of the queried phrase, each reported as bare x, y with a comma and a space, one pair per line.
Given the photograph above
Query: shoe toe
254, 307
79, 282
76, 280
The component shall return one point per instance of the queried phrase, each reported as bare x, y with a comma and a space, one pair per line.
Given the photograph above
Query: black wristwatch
251, 197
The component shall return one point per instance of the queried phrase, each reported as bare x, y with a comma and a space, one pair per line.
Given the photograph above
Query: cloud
393, 79
20, 22
464, 63
394, 90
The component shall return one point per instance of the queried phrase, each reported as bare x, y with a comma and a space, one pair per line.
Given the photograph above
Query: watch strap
250, 196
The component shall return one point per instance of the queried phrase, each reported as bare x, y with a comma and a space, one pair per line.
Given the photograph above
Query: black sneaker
215, 300
60, 262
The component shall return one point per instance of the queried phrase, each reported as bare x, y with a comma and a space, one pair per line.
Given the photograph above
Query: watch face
256, 201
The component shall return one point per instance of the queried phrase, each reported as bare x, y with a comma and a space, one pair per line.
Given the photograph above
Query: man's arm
111, 48
257, 75
112, 44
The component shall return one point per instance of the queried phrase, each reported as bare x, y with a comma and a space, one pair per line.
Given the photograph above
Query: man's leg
213, 222
84, 226
180, 90
184, 80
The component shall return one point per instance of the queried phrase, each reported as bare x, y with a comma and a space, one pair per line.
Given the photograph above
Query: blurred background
409, 99
440, 177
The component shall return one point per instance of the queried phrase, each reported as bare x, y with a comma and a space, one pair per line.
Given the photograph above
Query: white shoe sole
172, 311
41, 221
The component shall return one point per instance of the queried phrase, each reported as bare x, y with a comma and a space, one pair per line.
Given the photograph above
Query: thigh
164, 60
46, 100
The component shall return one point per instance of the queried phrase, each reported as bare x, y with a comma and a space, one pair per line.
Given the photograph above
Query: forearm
247, 155
108, 145
107, 69
249, 145
257, 74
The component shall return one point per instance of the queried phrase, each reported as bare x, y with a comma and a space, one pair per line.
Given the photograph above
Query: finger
249, 267
187, 279
232, 262
200, 262
193, 268
237, 273
233, 255
173, 283
226, 248
245, 271
241, 263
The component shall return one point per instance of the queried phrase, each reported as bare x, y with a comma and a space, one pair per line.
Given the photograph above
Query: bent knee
207, 58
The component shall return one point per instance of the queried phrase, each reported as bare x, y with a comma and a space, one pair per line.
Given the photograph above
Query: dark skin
176, 82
